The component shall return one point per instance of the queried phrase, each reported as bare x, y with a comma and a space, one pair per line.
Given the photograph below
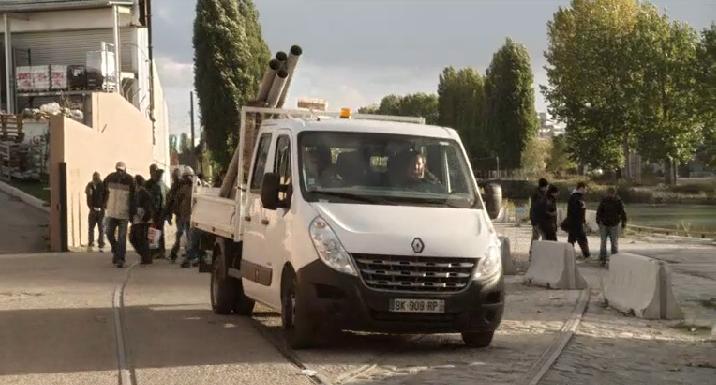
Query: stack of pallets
12, 152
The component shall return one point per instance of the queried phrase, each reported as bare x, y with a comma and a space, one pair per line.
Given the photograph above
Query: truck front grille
415, 273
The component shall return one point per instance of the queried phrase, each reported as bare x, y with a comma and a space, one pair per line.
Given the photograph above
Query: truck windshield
385, 169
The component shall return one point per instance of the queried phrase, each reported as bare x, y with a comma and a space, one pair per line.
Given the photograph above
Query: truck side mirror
493, 199
269, 191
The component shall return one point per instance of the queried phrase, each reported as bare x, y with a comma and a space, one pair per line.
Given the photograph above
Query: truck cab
357, 224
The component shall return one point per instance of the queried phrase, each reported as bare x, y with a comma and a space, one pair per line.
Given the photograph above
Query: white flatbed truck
356, 222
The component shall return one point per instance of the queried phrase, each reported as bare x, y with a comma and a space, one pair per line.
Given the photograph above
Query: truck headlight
491, 263
329, 248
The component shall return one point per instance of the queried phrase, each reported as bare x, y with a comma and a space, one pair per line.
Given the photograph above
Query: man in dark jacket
576, 219
548, 224
183, 216
139, 233
119, 209
537, 213
171, 208
158, 190
610, 214
95, 203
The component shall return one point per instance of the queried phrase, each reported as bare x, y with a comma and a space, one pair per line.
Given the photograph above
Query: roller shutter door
71, 47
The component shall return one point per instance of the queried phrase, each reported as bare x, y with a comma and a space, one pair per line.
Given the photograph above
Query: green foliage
418, 104
623, 77
229, 56
667, 119
510, 117
558, 161
706, 79
535, 156
461, 105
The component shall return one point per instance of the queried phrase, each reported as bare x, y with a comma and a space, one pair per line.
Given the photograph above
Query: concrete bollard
508, 266
553, 265
641, 285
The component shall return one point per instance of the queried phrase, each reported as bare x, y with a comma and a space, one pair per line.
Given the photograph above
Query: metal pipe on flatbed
267, 80
279, 83
291, 64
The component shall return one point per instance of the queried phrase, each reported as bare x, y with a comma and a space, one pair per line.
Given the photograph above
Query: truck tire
477, 339
227, 293
300, 330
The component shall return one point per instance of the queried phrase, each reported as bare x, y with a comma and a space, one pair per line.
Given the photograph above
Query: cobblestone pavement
531, 321
612, 348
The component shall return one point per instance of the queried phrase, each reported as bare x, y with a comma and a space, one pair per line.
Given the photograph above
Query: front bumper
343, 301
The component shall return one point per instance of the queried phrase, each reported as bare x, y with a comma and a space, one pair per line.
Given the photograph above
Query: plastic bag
154, 237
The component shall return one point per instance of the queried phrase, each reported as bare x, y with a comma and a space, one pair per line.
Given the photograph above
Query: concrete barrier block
641, 285
508, 265
553, 265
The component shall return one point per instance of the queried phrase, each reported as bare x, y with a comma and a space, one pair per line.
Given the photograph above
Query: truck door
256, 269
265, 249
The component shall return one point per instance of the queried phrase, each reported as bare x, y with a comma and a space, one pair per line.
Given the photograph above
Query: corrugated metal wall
71, 47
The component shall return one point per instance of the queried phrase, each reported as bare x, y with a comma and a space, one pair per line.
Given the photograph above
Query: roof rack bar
311, 114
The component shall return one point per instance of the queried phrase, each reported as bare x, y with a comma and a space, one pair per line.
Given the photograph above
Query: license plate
409, 305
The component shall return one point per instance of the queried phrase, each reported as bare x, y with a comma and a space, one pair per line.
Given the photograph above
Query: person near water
537, 213
548, 222
96, 193
610, 215
119, 209
576, 219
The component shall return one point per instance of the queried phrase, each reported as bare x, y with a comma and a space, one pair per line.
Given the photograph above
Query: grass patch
37, 188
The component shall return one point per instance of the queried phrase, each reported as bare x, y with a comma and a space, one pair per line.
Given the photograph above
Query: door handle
264, 221
247, 218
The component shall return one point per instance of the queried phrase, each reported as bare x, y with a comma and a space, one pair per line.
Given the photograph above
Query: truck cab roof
298, 125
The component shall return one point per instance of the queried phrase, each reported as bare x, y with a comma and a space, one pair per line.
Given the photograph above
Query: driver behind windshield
319, 169
417, 176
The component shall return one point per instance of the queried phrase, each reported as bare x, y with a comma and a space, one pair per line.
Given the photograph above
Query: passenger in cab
418, 178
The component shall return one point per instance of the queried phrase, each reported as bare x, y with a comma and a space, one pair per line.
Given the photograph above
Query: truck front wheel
227, 293
300, 330
477, 339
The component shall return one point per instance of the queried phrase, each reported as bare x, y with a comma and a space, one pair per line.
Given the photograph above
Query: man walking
610, 214
120, 208
139, 233
548, 224
158, 190
95, 202
183, 202
171, 208
537, 214
576, 219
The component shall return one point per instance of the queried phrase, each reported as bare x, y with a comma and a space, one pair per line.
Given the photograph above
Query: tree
461, 104
535, 156
511, 120
558, 161
418, 104
229, 56
668, 121
706, 79
590, 78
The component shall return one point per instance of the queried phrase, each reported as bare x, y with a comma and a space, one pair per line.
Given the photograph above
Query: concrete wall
119, 132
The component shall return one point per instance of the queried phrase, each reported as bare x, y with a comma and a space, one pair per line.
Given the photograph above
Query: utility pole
191, 117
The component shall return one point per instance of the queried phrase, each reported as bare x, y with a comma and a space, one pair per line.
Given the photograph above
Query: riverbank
687, 192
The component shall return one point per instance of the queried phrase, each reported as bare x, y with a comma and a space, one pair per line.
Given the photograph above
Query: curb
25, 197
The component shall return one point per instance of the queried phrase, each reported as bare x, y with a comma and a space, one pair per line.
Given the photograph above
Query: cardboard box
58, 77
41, 77
23, 78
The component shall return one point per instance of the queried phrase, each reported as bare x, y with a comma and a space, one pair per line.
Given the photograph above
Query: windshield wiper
355, 197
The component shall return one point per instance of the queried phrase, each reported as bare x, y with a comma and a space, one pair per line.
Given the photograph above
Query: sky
357, 51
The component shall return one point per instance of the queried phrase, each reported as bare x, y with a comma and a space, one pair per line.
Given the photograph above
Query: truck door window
260, 162
282, 167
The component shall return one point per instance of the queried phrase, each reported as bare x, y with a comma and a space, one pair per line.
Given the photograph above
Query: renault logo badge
417, 245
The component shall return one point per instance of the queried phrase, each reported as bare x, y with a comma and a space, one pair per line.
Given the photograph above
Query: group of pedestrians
120, 200
611, 218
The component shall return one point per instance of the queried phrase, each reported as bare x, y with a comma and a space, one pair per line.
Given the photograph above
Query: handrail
666, 231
